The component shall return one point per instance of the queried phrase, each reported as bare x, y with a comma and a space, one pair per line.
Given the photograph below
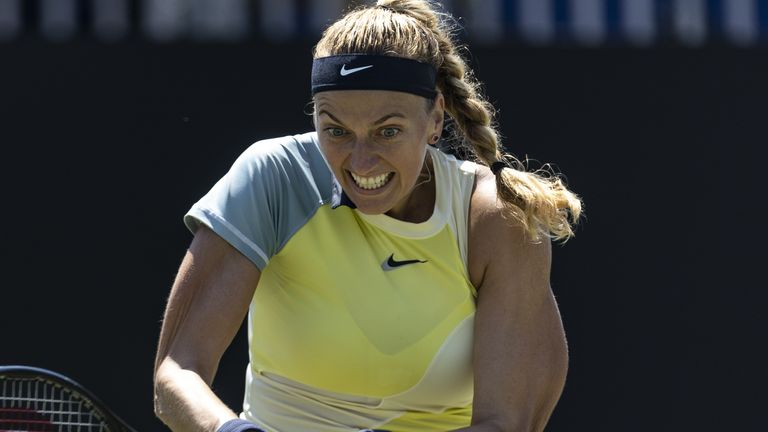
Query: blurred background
117, 115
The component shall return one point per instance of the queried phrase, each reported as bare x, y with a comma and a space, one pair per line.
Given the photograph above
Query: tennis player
388, 284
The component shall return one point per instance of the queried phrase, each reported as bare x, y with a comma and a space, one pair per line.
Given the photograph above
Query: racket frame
113, 421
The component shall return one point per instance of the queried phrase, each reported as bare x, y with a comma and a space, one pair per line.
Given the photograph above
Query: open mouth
371, 183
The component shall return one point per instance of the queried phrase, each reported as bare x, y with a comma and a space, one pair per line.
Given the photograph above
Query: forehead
368, 103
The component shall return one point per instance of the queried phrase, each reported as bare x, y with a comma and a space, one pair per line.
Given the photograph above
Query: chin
370, 208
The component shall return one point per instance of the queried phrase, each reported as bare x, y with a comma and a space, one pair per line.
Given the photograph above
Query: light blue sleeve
271, 190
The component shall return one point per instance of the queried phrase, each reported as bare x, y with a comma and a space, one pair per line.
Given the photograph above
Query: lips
371, 183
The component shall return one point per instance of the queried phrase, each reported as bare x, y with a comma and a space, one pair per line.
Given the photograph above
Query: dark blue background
105, 147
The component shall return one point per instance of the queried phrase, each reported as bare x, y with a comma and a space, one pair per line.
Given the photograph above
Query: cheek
411, 163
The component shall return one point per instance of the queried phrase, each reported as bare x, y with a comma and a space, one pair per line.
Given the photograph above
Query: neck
420, 204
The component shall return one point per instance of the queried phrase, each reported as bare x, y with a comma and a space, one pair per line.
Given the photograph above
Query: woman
388, 285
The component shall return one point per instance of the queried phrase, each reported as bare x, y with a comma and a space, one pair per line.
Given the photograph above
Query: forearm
185, 402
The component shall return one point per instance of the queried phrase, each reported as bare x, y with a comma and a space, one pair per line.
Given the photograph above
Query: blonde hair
417, 30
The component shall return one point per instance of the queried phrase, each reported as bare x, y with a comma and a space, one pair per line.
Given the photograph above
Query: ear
437, 115
309, 109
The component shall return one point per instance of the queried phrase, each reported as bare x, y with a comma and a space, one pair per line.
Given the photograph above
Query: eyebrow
322, 111
387, 117
377, 122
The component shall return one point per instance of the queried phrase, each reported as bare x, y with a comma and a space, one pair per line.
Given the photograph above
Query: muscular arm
520, 353
208, 302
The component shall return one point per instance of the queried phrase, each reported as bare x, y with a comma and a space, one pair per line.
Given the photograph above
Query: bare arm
520, 353
207, 305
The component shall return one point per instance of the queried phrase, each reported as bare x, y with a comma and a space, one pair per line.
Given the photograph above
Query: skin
520, 352
520, 356
371, 139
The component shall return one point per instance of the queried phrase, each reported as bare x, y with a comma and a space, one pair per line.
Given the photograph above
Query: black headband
373, 72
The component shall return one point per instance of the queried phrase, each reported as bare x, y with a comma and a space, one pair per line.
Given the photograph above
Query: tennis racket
36, 399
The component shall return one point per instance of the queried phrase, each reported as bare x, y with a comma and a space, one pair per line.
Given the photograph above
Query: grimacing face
375, 141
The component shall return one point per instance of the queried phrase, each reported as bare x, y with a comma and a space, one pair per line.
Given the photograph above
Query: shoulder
485, 211
287, 158
288, 147
269, 191
483, 201
496, 241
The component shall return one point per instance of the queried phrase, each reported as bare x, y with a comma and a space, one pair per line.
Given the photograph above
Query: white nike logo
345, 71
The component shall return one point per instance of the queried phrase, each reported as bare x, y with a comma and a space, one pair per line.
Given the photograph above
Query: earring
434, 139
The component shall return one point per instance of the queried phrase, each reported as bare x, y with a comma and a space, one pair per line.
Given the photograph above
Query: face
375, 142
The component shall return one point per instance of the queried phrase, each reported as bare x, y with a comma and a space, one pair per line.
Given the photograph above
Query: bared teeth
371, 182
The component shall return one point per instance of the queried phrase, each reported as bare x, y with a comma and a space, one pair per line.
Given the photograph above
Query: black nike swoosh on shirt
391, 264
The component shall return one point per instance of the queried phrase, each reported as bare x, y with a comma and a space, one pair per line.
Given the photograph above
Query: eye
335, 132
390, 132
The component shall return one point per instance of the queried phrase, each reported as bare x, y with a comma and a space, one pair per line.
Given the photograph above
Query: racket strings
34, 404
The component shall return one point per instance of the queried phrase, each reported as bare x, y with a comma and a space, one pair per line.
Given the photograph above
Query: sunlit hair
417, 29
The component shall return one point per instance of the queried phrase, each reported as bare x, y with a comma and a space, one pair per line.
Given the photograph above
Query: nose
363, 159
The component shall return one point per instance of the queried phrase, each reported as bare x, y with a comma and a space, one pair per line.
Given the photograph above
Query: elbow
160, 393
158, 399
159, 411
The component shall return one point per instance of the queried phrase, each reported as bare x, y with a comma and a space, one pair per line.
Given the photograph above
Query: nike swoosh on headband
391, 264
345, 71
